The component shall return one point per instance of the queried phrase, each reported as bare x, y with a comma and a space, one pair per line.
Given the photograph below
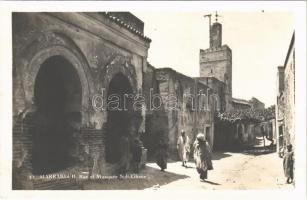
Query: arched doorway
120, 115
57, 94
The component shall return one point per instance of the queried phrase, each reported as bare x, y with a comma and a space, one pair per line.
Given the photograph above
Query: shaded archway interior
119, 122
58, 94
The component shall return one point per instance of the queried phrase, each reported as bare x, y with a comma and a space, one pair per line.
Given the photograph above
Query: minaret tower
216, 33
216, 61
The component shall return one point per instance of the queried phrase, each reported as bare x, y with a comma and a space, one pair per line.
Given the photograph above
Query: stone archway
79, 64
120, 120
58, 101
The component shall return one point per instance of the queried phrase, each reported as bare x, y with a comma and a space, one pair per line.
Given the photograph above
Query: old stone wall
217, 62
96, 46
185, 110
285, 122
156, 119
218, 88
290, 97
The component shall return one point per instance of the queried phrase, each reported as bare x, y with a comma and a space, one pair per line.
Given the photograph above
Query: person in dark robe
124, 148
202, 156
161, 156
288, 163
136, 154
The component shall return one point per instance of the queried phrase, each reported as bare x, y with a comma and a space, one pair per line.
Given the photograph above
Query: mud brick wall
286, 98
289, 93
194, 114
156, 125
22, 151
98, 48
22, 139
95, 139
17, 133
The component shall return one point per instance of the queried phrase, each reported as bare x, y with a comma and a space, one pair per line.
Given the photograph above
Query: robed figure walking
202, 156
183, 147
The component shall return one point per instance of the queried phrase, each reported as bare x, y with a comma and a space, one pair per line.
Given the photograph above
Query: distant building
286, 99
256, 104
215, 69
240, 104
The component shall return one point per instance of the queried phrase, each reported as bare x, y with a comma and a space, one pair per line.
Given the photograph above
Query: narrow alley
245, 170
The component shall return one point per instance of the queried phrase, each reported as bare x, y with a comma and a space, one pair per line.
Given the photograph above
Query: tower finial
216, 16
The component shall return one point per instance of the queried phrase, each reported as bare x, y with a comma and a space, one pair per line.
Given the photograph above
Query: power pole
209, 16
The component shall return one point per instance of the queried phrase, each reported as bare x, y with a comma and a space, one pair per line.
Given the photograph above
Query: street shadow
220, 155
149, 178
217, 155
210, 182
190, 166
256, 151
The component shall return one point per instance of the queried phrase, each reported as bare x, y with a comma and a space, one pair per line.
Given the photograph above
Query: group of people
201, 154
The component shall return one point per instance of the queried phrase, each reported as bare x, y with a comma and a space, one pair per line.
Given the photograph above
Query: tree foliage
247, 115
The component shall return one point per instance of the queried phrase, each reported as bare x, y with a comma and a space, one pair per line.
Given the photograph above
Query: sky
259, 41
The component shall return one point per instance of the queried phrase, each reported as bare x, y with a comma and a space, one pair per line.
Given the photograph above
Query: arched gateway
58, 97
120, 121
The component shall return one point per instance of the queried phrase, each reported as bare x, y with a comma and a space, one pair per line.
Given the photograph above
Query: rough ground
245, 170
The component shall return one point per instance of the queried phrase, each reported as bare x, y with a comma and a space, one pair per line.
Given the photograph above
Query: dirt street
231, 171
